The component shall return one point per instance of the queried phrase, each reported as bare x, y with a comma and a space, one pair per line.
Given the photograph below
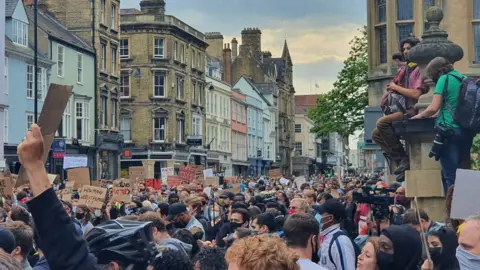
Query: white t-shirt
306, 264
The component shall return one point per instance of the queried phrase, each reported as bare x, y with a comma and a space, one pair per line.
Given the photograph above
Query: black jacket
63, 248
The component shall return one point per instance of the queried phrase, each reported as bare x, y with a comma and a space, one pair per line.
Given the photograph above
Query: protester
7, 241
442, 245
7, 262
468, 251
367, 260
83, 215
264, 223
23, 240
410, 218
210, 259
181, 218
400, 248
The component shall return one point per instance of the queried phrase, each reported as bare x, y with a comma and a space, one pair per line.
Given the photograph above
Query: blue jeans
457, 147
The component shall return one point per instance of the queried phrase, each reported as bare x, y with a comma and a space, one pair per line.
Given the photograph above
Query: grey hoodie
176, 244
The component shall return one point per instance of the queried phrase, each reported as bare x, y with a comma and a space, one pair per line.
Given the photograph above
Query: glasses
293, 207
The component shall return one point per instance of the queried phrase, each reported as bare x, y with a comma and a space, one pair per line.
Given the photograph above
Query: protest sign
275, 173
6, 188
137, 172
187, 173
465, 195
81, 177
165, 173
156, 184
173, 181
121, 190
75, 161
92, 196
299, 181
49, 120
212, 181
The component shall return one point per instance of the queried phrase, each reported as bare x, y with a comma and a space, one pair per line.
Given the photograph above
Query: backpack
334, 240
467, 113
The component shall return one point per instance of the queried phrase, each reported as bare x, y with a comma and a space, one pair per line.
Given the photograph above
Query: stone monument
424, 178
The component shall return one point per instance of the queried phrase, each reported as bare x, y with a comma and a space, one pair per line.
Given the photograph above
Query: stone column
424, 179
149, 168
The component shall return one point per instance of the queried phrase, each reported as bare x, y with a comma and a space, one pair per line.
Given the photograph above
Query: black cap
175, 210
333, 207
7, 240
227, 195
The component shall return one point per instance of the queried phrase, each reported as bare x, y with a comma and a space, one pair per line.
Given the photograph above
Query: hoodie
42, 264
175, 244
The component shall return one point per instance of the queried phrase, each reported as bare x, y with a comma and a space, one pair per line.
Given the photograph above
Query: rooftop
304, 102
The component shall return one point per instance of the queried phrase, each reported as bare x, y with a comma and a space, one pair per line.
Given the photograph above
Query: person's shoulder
306, 264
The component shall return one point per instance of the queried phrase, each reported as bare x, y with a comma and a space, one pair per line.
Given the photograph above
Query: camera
378, 198
441, 138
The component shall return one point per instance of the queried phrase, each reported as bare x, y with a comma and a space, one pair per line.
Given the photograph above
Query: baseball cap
175, 210
7, 240
333, 207
227, 195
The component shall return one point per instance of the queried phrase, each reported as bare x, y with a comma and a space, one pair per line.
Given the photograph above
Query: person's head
210, 259
159, 228
332, 212
171, 259
260, 252
187, 237
173, 198
437, 67
469, 238
178, 214
7, 240
8, 262
83, 213
322, 198
406, 45
367, 260
19, 213
299, 206
239, 218
162, 210
184, 194
194, 205
254, 211
239, 197
442, 245
400, 248
264, 223
410, 218
397, 59
227, 198
301, 232
309, 196
23, 239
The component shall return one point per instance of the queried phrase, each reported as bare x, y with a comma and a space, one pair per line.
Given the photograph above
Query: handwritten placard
275, 173
173, 181
168, 171
212, 181
137, 173
6, 188
81, 177
92, 196
121, 190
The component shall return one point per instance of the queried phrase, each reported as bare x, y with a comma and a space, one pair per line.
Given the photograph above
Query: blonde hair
261, 252
303, 204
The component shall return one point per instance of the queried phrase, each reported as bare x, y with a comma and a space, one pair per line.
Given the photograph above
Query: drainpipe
95, 71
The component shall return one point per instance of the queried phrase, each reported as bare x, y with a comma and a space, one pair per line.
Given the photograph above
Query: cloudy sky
317, 31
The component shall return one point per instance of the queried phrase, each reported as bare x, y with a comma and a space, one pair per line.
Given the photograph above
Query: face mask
235, 226
180, 224
385, 261
401, 199
215, 214
74, 209
323, 221
98, 213
436, 254
291, 211
79, 216
221, 202
467, 260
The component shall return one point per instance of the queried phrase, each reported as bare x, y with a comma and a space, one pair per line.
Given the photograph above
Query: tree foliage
475, 150
342, 109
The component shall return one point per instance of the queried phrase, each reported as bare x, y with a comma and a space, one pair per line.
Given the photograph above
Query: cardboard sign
52, 177
92, 196
156, 184
6, 188
121, 190
81, 177
275, 173
138, 172
212, 181
173, 181
168, 171
187, 173
300, 180
465, 199
49, 120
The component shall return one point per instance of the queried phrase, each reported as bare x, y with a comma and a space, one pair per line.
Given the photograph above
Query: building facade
18, 94
163, 89
239, 133
4, 83
98, 22
305, 146
74, 62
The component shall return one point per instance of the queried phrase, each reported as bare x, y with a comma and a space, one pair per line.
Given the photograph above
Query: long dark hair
437, 67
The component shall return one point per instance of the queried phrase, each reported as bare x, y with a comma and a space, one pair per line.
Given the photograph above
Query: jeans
457, 147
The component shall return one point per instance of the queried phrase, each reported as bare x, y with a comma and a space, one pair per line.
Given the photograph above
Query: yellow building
163, 89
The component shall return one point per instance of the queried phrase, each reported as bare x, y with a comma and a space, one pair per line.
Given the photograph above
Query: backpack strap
335, 239
444, 97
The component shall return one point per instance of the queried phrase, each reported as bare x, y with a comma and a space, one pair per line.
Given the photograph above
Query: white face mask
74, 209
98, 213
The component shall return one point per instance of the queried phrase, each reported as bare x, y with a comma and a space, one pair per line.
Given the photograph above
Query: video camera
378, 198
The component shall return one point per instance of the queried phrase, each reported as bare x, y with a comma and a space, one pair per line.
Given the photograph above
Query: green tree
475, 150
341, 110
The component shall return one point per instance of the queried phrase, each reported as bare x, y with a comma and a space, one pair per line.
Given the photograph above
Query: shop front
239, 168
255, 167
109, 149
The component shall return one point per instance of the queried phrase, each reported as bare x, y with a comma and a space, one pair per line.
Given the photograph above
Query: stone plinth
149, 168
424, 179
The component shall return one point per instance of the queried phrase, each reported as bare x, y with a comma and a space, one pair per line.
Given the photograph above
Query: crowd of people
322, 224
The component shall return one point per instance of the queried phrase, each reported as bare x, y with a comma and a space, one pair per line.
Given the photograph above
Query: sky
317, 31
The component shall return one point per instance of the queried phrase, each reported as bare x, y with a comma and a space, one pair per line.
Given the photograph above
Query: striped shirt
343, 254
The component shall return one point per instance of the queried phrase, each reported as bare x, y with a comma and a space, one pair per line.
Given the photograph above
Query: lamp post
35, 60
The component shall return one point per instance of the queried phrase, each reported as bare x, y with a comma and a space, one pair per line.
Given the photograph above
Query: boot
403, 165
401, 177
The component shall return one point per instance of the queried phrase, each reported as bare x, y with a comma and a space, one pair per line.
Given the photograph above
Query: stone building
273, 77
163, 89
98, 23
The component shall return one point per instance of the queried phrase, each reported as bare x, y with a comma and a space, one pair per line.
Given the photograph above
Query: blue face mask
467, 260
98, 213
74, 209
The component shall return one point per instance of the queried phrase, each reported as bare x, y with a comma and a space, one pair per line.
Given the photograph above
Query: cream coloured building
305, 146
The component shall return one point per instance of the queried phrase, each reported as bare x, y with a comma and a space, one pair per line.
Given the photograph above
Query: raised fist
30, 151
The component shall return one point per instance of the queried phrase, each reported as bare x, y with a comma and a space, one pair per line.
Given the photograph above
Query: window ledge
126, 98
125, 58
114, 30
181, 101
103, 25
114, 76
158, 142
160, 98
127, 141
103, 73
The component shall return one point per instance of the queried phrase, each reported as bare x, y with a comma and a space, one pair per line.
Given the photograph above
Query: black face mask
385, 261
80, 216
436, 255
180, 224
235, 226
315, 257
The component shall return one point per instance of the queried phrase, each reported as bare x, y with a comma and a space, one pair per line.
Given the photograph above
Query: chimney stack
234, 48
252, 38
227, 64
153, 7
215, 44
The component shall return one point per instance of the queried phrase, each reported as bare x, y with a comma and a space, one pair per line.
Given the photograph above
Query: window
404, 10
30, 81
124, 48
175, 53
199, 59
197, 125
104, 56
382, 34
234, 112
5, 127
114, 60
104, 111
193, 58
42, 82
5, 73
102, 11
476, 9
82, 120
194, 91
114, 113
30, 120
159, 48
476, 29
67, 121
125, 84
20, 33
428, 4
159, 129
60, 61
79, 68
298, 148
180, 90
405, 31
381, 11
182, 53
125, 128
200, 94
113, 17
159, 84
180, 130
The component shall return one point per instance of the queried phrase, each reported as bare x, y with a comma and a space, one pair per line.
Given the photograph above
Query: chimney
267, 54
252, 38
43, 6
227, 64
153, 7
215, 44
234, 48
28, 3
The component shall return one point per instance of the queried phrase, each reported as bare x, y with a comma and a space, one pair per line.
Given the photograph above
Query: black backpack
335, 240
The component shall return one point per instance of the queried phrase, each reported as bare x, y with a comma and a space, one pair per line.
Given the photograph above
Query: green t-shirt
445, 117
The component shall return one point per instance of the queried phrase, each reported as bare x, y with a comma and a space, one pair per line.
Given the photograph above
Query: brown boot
403, 165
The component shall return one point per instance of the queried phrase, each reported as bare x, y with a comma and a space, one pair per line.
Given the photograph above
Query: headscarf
407, 246
447, 259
